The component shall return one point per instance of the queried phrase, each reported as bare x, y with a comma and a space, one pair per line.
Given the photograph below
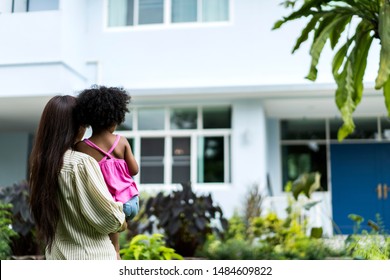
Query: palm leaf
345, 93
338, 30
359, 59
340, 57
304, 11
324, 30
328, 20
305, 32
384, 33
386, 93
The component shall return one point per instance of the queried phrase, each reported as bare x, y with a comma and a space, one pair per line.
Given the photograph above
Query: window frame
328, 140
167, 19
167, 133
27, 8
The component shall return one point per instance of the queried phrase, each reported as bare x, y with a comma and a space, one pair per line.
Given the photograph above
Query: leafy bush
368, 245
6, 232
228, 249
185, 218
143, 247
22, 221
286, 239
270, 237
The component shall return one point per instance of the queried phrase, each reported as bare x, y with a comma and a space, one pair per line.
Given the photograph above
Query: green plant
143, 247
253, 202
270, 237
22, 222
368, 245
6, 231
287, 238
185, 218
228, 249
333, 20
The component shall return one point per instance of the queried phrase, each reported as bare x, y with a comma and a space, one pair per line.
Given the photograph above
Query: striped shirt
88, 212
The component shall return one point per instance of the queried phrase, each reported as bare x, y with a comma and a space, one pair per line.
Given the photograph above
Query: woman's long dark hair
56, 133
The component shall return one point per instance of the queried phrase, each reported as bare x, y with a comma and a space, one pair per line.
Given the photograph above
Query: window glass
151, 119
127, 124
184, 10
185, 118
215, 10
5, 7
385, 127
120, 12
42, 5
303, 129
151, 11
299, 159
210, 159
181, 155
152, 160
365, 128
216, 117
131, 143
19, 6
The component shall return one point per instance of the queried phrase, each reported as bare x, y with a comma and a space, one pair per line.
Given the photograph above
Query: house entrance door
360, 183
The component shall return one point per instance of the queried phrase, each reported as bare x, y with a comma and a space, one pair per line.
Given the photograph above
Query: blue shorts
131, 208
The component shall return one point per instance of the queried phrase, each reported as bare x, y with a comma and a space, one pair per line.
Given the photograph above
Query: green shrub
228, 249
143, 247
25, 243
185, 217
368, 245
6, 232
268, 236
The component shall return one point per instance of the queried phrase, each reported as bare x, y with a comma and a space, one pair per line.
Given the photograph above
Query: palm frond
384, 34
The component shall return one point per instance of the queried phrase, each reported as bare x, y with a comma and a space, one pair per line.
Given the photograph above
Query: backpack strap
96, 147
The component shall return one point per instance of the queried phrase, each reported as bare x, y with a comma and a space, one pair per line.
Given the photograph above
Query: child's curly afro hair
102, 107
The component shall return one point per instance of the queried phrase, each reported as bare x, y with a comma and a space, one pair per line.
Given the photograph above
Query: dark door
360, 179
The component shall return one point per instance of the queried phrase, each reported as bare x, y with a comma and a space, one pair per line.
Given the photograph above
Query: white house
218, 98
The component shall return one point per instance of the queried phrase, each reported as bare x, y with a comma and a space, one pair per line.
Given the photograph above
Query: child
104, 108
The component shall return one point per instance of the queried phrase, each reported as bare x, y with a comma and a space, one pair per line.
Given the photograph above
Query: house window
216, 117
199, 10
184, 118
151, 119
365, 128
180, 144
128, 123
152, 160
135, 12
181, 159
142, 12
23, 6
211, 163
299, 159
151, 11
304, 149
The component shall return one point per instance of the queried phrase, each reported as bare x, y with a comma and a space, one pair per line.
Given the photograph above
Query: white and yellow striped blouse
88, 212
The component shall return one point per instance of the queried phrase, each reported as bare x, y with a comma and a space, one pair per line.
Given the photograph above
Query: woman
71, 205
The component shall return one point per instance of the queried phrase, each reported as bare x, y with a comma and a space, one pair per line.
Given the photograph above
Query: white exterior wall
43, 53
55, 52
248, 152
243, 51
13, 163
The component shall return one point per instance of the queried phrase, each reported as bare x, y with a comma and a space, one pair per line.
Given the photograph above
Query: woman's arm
96, 202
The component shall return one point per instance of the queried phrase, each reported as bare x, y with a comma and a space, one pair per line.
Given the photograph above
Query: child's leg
115, 241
